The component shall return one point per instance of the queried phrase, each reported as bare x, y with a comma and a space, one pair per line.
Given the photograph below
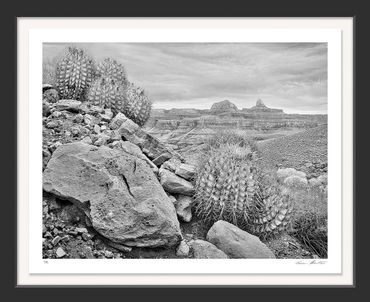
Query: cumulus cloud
291, 76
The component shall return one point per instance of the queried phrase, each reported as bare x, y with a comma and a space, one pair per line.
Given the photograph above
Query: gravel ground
305, 151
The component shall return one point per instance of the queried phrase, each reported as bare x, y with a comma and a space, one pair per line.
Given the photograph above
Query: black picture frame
185, 9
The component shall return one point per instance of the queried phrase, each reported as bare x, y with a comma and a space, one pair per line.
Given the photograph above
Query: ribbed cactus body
125, 97
110, 68
225, 188
105, 93
274, 214
137, 106
229, 187
74, 74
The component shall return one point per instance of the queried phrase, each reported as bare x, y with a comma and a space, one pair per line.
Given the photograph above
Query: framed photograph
185, 152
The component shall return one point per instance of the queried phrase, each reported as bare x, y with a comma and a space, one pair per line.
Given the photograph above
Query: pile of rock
130, 185
176, 177
65, 234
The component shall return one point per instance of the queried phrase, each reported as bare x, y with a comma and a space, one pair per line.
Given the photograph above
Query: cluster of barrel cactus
111, 89
229, 186
74, 74
104, 84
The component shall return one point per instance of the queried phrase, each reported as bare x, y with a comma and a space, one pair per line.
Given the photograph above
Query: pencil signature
311, 262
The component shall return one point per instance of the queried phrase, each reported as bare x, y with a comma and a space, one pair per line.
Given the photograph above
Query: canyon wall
190, 126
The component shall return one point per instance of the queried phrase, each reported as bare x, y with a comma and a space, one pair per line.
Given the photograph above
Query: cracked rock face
118, 191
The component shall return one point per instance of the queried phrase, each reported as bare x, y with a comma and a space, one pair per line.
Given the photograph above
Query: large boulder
135, 151
175, 184
205, 250
118, 191
237, 243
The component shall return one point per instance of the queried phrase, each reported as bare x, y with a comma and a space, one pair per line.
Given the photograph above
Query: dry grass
228, 137
310, 220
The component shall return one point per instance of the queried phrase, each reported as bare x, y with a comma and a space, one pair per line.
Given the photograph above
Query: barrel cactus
110, 68
137, 106
106, 93
274, 212
74, 74
230, 187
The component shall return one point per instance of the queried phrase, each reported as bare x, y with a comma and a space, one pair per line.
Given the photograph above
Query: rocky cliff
183, 127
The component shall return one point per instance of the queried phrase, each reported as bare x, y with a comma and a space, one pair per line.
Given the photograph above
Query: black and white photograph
185, 150
181, 152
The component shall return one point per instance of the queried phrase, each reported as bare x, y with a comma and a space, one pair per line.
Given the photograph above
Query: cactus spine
74, 74
229, 187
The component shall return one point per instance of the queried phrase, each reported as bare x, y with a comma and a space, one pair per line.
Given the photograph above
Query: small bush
311, 231
228, 137
310, 220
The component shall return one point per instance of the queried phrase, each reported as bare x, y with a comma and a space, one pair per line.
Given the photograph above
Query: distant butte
223, 106
261, 108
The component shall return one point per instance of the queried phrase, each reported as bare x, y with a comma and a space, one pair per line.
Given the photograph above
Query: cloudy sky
290, 76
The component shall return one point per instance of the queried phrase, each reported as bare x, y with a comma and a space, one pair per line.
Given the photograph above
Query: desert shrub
311, 231
228, 137
310, 219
